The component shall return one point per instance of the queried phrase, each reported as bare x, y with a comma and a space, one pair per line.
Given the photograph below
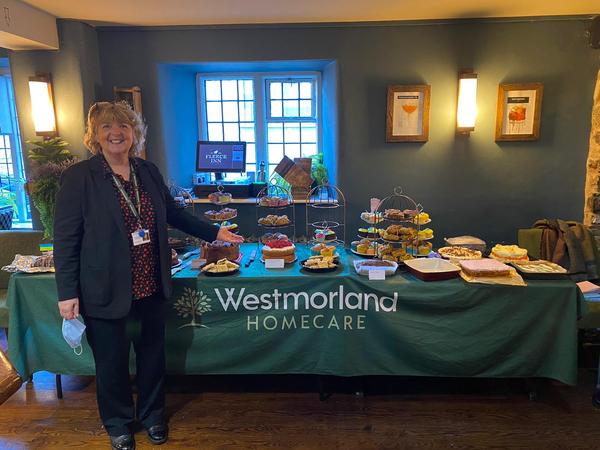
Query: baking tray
432, 269
527, 272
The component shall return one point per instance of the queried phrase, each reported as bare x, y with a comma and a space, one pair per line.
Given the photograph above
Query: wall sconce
42, 106
466, 110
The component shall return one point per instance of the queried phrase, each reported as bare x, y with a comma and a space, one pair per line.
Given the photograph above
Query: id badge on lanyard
140, 236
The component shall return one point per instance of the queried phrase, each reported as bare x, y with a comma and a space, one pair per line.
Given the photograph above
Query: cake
223, 214
370, 232
220, 198
459, 253
399, 214
485, 267
509, 253
366, 247
323, 249
216, 250
273, 220
371, 217
325, 235
398, 233
422, 218
273, 201
279, 249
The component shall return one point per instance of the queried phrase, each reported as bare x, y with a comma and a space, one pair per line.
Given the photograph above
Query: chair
25, 242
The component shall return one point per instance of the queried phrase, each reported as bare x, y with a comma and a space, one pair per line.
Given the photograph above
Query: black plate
221, 274
317, 270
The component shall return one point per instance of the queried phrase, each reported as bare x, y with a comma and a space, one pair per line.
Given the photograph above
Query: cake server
251, 258
181, 267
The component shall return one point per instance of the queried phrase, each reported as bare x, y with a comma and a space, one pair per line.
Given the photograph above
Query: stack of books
591, 291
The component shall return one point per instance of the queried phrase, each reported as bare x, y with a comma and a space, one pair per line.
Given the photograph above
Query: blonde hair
108, 112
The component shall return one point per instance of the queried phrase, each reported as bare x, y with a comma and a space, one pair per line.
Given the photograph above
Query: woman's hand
225, 235
69, 309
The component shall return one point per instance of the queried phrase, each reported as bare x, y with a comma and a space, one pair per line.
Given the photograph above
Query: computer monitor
220, 156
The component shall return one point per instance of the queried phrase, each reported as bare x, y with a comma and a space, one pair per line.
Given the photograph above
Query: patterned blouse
144, 258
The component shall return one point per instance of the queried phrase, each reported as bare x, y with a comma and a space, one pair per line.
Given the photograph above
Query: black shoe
123, 442
158, 434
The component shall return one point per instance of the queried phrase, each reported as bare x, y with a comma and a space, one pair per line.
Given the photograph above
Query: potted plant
50, 157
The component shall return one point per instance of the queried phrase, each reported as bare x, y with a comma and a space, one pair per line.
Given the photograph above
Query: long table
289, 321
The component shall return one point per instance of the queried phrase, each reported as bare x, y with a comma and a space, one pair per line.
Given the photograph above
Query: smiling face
115, 138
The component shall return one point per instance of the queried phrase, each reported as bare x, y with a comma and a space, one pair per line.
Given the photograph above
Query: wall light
42, 106
466, 110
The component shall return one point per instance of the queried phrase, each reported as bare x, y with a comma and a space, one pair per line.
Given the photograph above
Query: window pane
251, 168
292, 132
309, 150
230, 111
246, 133
275, 153
292, 150
290, 108
275, 88
213, 89
245, 89
305, 90
215, 132
251, 153
309, 132
247, 111
275, 108
230, 90
275, 132
249, 89
232, 132
305, 108
290, 90
213, 112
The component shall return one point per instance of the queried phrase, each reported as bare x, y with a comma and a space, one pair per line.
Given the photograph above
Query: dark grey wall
469, 185
75, 72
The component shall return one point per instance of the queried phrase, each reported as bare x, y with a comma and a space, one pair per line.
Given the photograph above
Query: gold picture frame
407, 118
133, 96
519, 111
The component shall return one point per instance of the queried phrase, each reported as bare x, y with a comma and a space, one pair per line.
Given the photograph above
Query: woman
113, 265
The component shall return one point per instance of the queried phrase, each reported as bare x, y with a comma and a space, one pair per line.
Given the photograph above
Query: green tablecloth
289, 321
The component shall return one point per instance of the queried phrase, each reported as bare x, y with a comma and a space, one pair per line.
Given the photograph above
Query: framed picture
519, 112
407, 117
132, 95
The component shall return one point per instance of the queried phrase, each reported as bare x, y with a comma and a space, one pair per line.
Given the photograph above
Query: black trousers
110, 340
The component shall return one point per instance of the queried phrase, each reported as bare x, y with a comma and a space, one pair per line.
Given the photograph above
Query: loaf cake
485, 267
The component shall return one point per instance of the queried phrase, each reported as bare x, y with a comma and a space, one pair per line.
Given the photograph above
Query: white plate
364, 270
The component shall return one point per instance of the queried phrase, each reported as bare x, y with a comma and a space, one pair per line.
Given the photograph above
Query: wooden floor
285, 412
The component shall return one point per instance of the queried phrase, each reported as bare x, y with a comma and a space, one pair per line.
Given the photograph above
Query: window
276, 114
12, 173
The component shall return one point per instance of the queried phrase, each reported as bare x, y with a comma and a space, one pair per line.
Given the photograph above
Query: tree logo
192, 303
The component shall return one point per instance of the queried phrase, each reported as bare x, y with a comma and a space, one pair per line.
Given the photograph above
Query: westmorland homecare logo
336, 309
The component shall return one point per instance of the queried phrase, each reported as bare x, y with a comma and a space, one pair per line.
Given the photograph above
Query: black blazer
91, 245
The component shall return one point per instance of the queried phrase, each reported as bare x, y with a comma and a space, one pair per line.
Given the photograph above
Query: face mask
72, 331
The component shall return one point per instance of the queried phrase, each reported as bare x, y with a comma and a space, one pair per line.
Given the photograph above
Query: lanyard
135, 211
